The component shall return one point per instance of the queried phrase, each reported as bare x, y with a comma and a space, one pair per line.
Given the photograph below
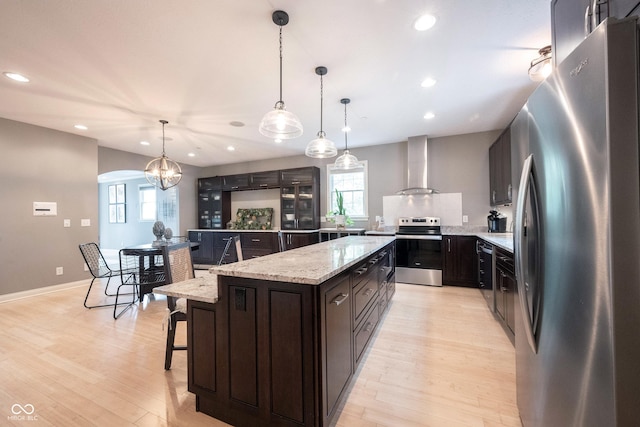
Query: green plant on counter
339, 211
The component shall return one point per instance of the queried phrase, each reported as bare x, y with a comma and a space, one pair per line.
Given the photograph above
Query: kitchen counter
503, 240
234, 230
310, 265
204, 289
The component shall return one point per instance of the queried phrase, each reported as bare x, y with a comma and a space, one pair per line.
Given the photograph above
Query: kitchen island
288, 331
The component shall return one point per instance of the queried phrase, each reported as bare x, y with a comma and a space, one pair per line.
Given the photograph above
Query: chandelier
163, 172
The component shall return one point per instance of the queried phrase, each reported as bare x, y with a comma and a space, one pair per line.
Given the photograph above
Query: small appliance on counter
496, 222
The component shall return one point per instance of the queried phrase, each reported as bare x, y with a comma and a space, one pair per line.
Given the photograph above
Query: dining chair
178, 266
235, 240
98, 268
141, 270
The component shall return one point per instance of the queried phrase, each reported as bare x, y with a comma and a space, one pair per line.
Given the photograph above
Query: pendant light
321, 147
347, 161
163, 172
541, 67
280, 123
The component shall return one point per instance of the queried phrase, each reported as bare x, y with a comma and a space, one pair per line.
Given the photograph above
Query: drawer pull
340, 299
361, 270
368, 327
368, 292
255, 240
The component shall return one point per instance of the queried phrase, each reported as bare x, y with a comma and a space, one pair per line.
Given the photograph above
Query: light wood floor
439, 359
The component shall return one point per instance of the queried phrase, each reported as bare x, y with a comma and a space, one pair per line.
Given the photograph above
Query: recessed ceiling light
236, 124
428, 82
429, 115
277, 140
425, 22
17, 77
191, 154
231, 148
81, 127
144, 143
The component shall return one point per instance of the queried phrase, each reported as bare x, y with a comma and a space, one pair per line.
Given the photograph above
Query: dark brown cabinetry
505, 291
299, 239
213, 204
282, 354
500, 170
262, 180
235, 182
460, 266
258, 244
205, 252
300, 199
571, 19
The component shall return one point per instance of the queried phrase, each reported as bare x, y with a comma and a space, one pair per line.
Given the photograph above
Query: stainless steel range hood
417, 161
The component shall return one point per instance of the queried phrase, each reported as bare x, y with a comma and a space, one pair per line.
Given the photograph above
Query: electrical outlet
59, 271
86, 267
85, 223
67, 223
465, 218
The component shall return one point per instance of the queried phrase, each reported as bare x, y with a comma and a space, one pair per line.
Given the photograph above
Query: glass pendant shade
280, 123
321, 147
541, 67
163, 172
347, 160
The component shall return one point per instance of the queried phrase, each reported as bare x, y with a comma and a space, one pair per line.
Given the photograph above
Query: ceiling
119, 66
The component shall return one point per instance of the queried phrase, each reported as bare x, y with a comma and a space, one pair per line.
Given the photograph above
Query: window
147, 202
353, 186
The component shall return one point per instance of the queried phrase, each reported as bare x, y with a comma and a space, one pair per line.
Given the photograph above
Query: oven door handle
417, 237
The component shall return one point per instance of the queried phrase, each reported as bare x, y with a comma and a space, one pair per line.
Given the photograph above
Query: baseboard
41, 291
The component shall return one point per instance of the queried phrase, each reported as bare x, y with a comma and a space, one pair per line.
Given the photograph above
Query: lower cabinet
506, 292
282, 354
460, 266
298, 240
205, 252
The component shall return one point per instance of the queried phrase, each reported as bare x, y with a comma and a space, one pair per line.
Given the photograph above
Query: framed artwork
117, 204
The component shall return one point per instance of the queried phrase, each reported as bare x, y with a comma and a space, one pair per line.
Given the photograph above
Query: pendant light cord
346, 146
280, 40
321, 98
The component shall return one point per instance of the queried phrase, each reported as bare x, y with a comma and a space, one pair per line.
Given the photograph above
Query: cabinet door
235, 182
298, 176
298, 240
495, 172
339, 357
204, 253
505, 164
567, 26
261, 180
509, 282
459, 261
500, 293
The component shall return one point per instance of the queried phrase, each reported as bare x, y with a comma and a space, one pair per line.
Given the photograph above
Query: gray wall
44, 165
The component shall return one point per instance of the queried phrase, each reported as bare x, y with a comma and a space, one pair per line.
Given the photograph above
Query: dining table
149, 264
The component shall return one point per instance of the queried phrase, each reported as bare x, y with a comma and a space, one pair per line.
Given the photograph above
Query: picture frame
117, 203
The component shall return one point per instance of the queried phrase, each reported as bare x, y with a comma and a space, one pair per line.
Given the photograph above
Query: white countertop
309, 265
503, 240
233, 230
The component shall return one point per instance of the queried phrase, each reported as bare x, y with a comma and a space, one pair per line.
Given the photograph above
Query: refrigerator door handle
519, 241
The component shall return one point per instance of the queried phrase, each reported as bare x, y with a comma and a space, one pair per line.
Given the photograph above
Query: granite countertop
309, 265
203, 289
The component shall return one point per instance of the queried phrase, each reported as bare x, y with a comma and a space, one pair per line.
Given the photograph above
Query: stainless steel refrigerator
577, 237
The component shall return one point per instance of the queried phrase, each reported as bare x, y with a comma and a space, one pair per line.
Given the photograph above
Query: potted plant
339, 216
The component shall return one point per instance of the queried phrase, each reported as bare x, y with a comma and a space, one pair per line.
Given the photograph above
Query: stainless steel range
419, 251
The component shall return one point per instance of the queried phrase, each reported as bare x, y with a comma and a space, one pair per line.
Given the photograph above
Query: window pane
352, 185
147, 203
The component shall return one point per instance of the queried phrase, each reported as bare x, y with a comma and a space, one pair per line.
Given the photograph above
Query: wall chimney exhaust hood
417, 161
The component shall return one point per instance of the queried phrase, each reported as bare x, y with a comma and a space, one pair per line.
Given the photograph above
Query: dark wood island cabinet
288, 332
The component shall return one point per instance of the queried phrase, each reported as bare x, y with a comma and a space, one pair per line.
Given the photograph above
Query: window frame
141, 189
332, 171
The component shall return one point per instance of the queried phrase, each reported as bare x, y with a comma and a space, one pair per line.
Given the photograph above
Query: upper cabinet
300, 198
572, 20
500, 170
213, 204
262, 180
235, 182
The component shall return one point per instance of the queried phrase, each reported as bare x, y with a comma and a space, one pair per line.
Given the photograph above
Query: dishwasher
486, 268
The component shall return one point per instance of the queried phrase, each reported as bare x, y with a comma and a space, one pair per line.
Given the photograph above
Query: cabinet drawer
363, 335
264, 241
248, 253
365, 291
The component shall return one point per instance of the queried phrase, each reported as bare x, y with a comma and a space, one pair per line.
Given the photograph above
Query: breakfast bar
279, 339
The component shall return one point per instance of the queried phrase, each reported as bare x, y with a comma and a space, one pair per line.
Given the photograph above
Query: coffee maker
496, 222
